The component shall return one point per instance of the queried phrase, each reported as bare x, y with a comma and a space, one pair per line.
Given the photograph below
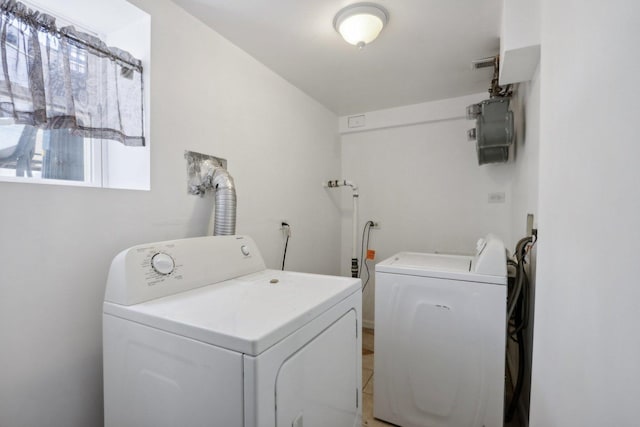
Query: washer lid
248, 314
434, 262
454, 267
489, 265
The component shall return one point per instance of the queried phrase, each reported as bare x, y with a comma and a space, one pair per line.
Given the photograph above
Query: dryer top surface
247, 314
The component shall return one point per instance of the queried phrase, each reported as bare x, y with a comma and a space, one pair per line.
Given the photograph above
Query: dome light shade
359, 24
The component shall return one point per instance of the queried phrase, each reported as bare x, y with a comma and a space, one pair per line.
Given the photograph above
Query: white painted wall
57, 242
423, 184
586, 339
519, 40
526, 107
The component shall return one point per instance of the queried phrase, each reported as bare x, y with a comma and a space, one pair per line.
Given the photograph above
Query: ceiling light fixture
360, 23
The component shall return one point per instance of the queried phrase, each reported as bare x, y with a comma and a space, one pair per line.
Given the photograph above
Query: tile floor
367, 381
367, 384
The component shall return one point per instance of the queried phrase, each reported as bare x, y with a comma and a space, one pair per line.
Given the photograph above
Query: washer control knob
245, 250
163, 263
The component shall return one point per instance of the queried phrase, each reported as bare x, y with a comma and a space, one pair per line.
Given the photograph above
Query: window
72, 109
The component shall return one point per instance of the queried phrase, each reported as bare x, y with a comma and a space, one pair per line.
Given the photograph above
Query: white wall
57, 242
526, 107
423, 184
586, 339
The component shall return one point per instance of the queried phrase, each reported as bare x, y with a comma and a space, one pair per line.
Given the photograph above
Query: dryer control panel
156, 270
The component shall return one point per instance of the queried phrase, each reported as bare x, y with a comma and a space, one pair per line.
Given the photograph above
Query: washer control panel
491, 257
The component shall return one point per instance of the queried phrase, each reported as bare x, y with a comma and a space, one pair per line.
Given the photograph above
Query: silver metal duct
225, 210
209, 173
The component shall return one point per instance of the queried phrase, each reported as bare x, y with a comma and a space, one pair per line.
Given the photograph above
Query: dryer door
317, 386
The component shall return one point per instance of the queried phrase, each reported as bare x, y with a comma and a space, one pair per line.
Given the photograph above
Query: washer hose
518, 320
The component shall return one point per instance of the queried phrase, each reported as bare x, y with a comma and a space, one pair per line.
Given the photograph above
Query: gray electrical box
494, 129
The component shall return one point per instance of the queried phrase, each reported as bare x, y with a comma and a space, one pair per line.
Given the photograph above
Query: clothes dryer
440, 338
197, 332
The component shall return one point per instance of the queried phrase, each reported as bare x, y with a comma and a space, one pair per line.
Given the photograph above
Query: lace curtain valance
60, 78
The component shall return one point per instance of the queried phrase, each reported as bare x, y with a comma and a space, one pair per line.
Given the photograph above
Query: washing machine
197, 332
440, 329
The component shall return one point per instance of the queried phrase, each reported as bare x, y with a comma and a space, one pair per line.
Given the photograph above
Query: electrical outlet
375, 225
285, 227
496, 197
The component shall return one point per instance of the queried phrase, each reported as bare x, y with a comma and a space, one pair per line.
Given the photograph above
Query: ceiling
423, 54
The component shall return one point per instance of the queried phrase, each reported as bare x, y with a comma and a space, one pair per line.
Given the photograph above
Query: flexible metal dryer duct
225, 211
209, 173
